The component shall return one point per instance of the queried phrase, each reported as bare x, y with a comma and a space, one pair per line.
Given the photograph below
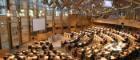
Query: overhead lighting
8, 13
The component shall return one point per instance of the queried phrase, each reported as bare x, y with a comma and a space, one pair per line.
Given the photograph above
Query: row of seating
105, 43
95, 43
42, 50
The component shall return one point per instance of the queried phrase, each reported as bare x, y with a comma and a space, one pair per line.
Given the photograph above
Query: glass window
18, 4
39, 4
65, 10
57, 11
49, 11
31, 4
2, 7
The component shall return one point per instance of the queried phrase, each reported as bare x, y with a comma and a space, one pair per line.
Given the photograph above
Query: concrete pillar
35, 2
45, 16
53, 21
27, 17
61, 20
12, 11
0, 41
12, 8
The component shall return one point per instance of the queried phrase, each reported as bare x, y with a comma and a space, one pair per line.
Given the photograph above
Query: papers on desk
114, 47
103, 58
67, 35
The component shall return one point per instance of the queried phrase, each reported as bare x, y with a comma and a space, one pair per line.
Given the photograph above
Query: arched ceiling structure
93, 6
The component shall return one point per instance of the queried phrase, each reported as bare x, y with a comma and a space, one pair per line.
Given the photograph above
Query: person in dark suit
138, 40
92, 56
51, 47
44, 47
83, 56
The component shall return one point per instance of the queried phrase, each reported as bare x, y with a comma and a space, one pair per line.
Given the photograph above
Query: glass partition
25, 29
4, 34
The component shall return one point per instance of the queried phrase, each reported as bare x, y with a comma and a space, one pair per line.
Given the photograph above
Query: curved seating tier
106, 43
95, 43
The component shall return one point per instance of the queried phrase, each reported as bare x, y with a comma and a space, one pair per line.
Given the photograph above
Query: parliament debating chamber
69, 29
